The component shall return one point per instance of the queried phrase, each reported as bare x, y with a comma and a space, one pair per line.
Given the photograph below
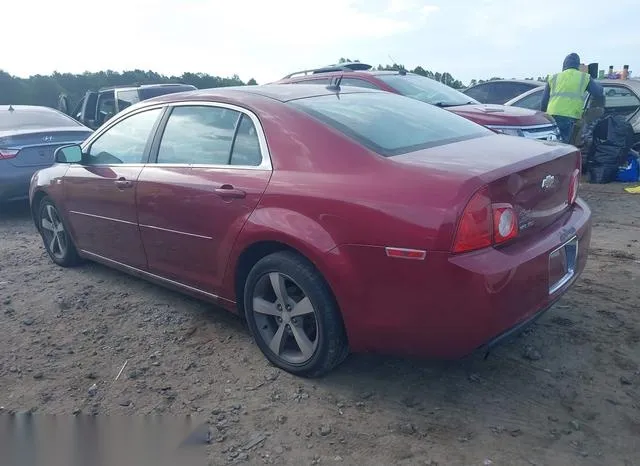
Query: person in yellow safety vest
564, 95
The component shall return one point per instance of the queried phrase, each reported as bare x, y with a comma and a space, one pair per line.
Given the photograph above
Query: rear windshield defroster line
389, 124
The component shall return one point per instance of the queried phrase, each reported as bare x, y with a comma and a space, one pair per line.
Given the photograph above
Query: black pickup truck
96, 107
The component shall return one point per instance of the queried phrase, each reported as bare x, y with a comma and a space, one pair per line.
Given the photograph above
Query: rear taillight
8, 153
574, 182
484, 224
475, 227
505, 223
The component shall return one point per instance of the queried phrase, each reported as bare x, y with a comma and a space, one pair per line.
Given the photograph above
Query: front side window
126, 141
620, 97
426, 89
200, 135
387, 123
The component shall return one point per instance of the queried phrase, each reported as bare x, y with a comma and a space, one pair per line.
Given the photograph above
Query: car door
211, 167
100, 193
620, 100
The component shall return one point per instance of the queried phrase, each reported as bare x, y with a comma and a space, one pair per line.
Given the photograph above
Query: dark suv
96, 107
508, 120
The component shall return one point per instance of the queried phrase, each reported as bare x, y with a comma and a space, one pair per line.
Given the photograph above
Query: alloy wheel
285, 318
53, 231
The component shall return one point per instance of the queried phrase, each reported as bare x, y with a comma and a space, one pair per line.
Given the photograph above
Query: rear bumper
14, 182
448, 306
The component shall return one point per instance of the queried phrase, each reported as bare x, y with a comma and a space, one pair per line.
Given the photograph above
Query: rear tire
293, 316
55, 235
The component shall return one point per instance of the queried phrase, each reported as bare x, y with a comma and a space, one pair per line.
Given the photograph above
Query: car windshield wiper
449, 104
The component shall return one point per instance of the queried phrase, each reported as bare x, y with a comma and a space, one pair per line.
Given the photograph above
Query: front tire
55, 235
293, 316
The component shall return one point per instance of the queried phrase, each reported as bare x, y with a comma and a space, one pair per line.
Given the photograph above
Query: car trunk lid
533, 176
500, 115
36, 147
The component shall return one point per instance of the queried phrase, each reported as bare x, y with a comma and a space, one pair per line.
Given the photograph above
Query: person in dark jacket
564, 95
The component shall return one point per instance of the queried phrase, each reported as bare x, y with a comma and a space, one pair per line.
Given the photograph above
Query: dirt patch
564, 393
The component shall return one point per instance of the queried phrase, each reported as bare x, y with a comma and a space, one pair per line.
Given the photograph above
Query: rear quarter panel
326, 191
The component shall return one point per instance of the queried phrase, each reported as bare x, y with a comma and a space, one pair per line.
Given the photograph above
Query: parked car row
333, 217
507, 120
622, 97
29, 134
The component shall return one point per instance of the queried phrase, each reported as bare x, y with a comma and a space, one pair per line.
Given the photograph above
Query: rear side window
533, 101
198, 135
358, 83
325, 81
126, 98
389, 124
206, 135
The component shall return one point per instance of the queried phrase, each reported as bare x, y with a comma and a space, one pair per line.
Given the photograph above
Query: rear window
34, 118
390, 124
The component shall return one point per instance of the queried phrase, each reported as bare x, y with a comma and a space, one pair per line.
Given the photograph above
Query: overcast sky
266, 39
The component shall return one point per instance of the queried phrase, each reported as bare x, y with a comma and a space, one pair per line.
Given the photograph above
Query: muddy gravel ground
565, 392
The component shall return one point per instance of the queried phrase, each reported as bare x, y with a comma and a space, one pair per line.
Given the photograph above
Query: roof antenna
11, 109
335, 84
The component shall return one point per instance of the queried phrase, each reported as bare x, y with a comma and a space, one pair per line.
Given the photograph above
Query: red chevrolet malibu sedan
334, 219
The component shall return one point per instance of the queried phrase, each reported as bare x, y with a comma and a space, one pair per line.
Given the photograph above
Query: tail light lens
484, 224
475, 230
574, 183
8, 153
505, 223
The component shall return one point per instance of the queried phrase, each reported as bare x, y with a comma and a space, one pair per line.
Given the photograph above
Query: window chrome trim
523, 128
167, 230
110, 219
265, 165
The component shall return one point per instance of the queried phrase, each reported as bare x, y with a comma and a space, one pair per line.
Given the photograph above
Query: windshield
426, 90
390, 124
34, 117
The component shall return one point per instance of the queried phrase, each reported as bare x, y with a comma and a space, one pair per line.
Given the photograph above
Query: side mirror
68, 154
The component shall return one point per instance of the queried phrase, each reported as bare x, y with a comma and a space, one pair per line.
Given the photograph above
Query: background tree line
45, 89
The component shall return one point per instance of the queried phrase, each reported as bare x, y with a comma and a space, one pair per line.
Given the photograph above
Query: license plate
563, 263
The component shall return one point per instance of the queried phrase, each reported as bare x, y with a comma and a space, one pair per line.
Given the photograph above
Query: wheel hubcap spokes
54, 233
285, 318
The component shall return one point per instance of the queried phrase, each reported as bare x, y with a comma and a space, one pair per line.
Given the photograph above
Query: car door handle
122, 183
228, 191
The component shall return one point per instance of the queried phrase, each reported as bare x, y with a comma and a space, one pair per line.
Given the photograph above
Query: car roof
145, 86
632, 83
280, 92
531, 82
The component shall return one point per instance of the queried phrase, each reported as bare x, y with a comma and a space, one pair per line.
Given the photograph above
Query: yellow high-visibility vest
566, 93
